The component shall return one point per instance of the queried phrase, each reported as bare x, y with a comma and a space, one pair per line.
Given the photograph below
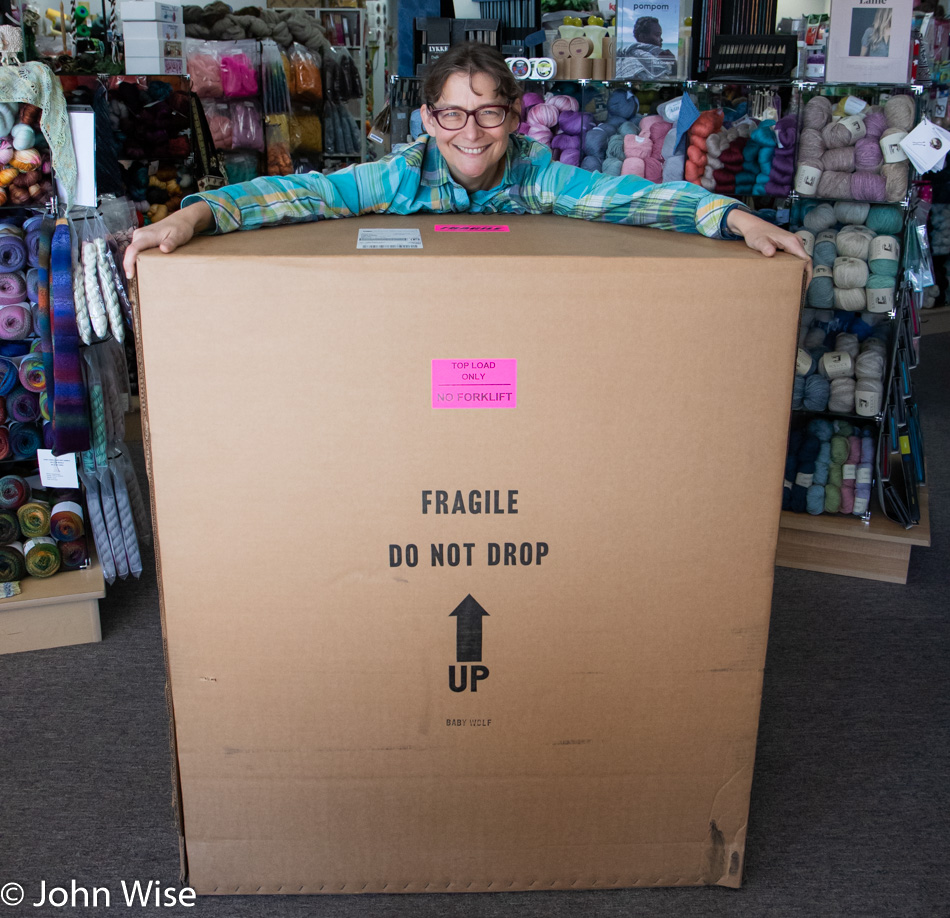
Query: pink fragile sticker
469, 228
474, 383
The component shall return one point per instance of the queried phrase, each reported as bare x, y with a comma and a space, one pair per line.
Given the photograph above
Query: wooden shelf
876, 550
53, 612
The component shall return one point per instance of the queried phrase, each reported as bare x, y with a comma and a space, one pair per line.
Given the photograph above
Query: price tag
389, 239
57, 471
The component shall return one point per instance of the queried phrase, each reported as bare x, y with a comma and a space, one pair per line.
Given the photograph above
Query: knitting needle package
518, 642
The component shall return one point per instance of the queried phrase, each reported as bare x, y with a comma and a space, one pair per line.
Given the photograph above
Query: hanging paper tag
57, 471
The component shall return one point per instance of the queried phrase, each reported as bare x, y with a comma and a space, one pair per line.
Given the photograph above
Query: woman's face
475, 155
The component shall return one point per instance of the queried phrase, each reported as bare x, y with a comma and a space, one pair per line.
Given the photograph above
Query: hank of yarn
127, 520
79, 299
94, 302
109, 293
42, 557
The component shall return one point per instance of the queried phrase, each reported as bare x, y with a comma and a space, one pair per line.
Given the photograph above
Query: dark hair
470, 57
644, 26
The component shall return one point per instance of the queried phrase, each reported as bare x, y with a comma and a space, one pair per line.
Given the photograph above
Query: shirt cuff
223, 212
724, 231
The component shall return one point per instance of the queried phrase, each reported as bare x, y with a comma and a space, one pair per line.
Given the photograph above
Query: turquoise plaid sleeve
627, 199
390, 184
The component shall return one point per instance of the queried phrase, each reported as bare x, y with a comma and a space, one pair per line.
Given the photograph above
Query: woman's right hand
168, 234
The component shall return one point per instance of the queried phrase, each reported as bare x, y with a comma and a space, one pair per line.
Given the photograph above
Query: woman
877, 37
472, 161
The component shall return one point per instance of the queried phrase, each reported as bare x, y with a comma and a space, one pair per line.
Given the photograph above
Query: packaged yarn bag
204, 69
306, 84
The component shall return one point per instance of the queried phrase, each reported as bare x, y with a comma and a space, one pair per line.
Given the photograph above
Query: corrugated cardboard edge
147, 448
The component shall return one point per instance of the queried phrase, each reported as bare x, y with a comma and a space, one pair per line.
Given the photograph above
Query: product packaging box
157, 65
157, 31
139, 10
465, 530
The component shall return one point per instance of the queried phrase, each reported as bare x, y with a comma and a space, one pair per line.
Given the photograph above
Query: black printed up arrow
468, 630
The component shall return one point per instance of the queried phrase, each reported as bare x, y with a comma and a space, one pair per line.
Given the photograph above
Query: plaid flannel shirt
416, 179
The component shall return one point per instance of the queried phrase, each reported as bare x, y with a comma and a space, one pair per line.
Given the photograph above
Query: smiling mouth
471, 151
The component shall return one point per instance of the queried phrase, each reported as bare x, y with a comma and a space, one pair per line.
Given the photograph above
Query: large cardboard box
466, 551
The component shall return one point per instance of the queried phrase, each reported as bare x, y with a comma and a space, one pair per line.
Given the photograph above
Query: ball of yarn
595, 142
820, 218
565, 142
879, 293
540, 133
22, 136
820, 294
565, 103
613, 166
817, 390
592, 163
895, 182
875, 124
853, 212
545, 114
869, 365
850, 299
884, 219
884, 256
836, 135
841, 396
825, 253
622, 104
798, 393
26, 160
571, 157
529, 99
575, 122
810, 144
868, 397
841, 159
867, 155
835, 185
637, 147
817, 112
847, 344
900, 112
854, 242
866, 186
615, 147
8, 115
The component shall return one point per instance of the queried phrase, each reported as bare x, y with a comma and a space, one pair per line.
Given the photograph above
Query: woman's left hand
764, 237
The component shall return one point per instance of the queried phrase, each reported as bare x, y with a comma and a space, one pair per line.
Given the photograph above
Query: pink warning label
484, 383
469, 228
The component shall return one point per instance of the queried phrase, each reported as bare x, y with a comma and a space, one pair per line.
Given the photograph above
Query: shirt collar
521, 150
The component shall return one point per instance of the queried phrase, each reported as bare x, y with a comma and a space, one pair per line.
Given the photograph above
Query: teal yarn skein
815, 500
885, 219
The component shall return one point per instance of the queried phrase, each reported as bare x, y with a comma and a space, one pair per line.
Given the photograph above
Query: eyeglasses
486, 116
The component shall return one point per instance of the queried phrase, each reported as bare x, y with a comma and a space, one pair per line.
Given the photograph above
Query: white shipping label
389, 239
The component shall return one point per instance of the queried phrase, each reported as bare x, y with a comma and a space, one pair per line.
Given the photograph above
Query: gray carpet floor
850, 800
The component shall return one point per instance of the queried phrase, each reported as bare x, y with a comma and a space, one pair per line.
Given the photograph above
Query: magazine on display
648, 39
